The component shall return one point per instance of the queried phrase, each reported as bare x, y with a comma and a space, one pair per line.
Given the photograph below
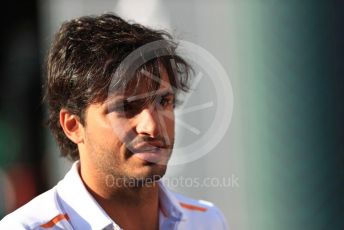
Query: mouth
152, 154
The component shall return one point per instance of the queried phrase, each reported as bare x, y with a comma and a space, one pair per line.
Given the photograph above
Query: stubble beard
122, 174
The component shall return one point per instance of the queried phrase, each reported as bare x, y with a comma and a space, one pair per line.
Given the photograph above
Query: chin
150, 173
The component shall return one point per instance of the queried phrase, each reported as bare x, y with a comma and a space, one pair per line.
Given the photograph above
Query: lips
146, 149
149, 145
152, 153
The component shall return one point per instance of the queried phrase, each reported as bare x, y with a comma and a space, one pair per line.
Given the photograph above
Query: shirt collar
169, 205
83, 210
85, 213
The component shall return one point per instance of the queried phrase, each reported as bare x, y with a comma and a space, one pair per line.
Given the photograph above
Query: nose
148, 122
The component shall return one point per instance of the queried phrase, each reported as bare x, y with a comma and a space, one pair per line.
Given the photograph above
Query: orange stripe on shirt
193, 207
55, 220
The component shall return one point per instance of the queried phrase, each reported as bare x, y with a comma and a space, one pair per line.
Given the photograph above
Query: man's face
126, 138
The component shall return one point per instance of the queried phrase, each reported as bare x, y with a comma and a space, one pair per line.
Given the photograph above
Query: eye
166, 101
132, 108
125, 108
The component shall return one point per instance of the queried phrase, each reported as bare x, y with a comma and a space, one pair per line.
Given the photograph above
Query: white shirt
69, 206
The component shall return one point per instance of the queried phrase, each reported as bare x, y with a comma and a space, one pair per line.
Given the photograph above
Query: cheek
100, 134
97, 138
169, 122
104, 143
119, 128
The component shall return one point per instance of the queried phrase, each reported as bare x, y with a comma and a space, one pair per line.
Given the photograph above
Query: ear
71, 126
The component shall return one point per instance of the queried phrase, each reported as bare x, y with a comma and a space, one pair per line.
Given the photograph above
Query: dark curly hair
84, 55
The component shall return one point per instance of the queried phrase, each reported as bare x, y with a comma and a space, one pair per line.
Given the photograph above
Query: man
116, 121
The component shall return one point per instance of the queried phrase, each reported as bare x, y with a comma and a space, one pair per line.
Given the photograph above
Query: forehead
163, 79
146, 84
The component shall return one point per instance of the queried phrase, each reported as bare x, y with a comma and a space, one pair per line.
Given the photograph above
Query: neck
122, 203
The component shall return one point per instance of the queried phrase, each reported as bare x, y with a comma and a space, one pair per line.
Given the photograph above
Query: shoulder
39, 211
201, 213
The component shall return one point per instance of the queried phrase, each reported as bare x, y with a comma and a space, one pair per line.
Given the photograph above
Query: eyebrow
121, 99
160, 92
